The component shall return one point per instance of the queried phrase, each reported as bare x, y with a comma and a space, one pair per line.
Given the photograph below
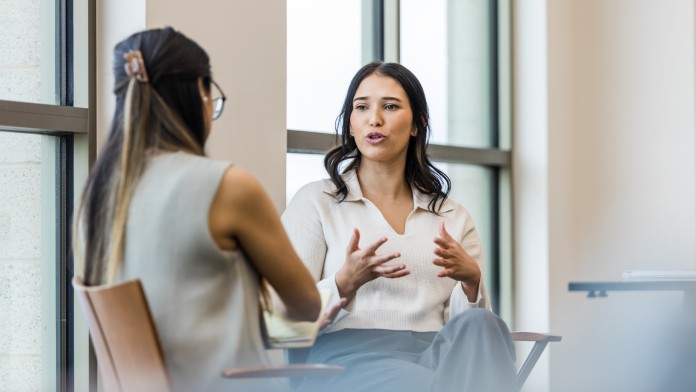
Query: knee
484, 327
481, 319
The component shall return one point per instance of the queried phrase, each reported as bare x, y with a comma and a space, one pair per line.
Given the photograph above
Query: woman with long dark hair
383, 234
200, 234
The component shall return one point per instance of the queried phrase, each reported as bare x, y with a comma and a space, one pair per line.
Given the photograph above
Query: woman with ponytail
200, 234
383, 234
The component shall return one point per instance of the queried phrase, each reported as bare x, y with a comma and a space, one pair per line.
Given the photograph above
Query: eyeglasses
219, 99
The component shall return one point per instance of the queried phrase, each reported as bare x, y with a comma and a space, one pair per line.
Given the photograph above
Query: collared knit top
320, 229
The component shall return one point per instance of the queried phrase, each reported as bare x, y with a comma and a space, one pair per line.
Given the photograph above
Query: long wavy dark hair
165, 113
420, 172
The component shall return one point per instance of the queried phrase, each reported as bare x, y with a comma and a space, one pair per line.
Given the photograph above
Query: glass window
473, 187
447, 45
35, 311
27, 51
453, 48
301, 170
324, 52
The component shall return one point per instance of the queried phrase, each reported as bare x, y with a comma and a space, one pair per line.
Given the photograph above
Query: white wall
530, 178
116, 20
605, 174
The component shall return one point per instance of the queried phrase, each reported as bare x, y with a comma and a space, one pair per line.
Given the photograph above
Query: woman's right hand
331, 314
363, 265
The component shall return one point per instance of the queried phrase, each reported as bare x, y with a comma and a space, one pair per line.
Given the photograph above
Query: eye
390, 106
360, 107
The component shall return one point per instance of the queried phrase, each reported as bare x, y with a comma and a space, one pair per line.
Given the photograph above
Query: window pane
302, 169
27, 51
447, 44
472, 187
27, 262
324, 52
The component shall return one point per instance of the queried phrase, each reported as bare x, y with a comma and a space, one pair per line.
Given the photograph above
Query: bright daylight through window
458, 52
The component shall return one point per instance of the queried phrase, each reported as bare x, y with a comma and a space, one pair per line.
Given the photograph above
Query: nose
375, 119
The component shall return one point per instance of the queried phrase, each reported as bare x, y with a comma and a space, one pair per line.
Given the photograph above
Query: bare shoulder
239, 203
239, 187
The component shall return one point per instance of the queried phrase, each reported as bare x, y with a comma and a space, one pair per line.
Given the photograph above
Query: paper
280, 332
659, 275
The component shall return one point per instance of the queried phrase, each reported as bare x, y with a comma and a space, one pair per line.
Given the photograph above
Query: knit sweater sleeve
302, 221
471, 242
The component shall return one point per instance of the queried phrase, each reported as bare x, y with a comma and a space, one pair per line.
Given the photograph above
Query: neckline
385, 222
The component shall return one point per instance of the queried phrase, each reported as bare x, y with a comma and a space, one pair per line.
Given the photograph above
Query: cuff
459, 301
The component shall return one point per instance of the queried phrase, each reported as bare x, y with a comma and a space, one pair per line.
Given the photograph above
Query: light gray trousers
473, 352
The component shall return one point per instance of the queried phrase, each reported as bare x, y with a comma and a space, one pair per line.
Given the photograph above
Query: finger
331, 314
373, 248
328, 317
397, 274
386, 270
378, 260
443, 232
443, 263
445, 273
440, 252
442, 243
354, 241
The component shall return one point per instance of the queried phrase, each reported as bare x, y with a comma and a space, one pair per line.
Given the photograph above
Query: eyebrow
383, 98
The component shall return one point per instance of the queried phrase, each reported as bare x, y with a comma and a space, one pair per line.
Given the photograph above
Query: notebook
658, 275
280, 332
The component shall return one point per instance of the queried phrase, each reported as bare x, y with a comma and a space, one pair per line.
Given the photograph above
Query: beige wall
246, 43
604, 171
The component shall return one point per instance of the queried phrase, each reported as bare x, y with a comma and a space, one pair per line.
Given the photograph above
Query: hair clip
135, 66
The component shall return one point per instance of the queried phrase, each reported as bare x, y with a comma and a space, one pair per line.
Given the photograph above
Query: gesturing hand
456, 263
363, 265
330, 315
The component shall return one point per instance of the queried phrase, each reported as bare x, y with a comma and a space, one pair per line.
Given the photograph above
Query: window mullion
63, 266
372, 30
64, 55
391, 30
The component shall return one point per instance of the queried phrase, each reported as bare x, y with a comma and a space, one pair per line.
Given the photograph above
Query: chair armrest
295, 370
535, 337
541, 340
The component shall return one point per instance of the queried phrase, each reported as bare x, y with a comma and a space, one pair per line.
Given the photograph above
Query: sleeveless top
204, 301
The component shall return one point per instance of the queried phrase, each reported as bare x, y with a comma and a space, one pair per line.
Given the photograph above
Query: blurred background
566, 126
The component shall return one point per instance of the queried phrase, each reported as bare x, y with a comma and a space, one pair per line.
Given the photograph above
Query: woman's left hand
456, 263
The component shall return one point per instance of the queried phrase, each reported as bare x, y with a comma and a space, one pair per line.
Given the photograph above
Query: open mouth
374, 138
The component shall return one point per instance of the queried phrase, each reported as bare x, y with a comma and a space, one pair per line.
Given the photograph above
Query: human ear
201, 89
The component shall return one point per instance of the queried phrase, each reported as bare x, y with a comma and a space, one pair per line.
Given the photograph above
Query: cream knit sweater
320, 229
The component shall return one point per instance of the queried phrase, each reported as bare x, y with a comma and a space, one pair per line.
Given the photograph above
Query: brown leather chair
127, 346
